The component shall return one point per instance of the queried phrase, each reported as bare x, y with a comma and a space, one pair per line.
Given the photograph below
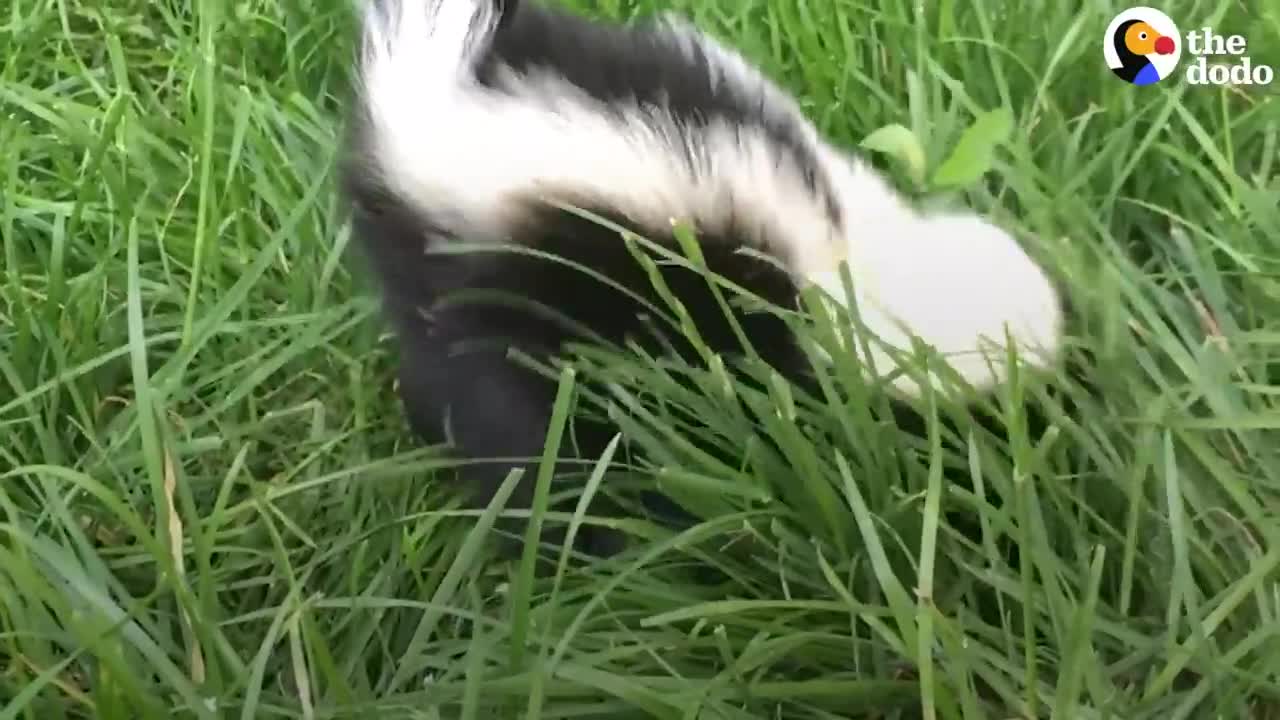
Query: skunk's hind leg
460, 386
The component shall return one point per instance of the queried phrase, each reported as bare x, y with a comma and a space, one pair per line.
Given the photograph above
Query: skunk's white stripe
473, 156
450, 145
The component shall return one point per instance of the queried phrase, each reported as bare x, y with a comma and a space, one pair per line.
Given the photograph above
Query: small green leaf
902, 144
971, 158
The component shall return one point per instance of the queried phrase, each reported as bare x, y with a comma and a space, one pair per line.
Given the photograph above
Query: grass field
210, 506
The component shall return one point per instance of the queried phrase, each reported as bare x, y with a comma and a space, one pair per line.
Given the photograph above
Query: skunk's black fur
669, 125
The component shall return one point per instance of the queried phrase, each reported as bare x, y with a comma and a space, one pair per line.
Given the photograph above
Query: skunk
483, 124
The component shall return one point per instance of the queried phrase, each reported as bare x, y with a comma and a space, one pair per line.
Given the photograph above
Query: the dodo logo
1142, 46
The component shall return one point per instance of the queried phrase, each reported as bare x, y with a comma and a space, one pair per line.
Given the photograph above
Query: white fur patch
459, 150
456, 147
959, 283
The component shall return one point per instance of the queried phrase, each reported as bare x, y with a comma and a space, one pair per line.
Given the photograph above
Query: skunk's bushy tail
473, 153
418, 113
433, 45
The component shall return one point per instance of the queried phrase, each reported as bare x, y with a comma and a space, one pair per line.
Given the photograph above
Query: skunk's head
959, 283
475, 113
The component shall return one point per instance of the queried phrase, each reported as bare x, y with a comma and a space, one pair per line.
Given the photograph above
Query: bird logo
1142, 46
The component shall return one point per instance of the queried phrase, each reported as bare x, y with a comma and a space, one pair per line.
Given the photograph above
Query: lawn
210, 506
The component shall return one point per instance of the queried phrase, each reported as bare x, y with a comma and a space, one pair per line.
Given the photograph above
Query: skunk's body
475, 121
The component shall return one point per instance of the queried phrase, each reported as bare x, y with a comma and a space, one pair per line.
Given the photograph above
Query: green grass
210, 507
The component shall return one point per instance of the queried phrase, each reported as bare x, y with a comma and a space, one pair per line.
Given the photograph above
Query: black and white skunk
477, 121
